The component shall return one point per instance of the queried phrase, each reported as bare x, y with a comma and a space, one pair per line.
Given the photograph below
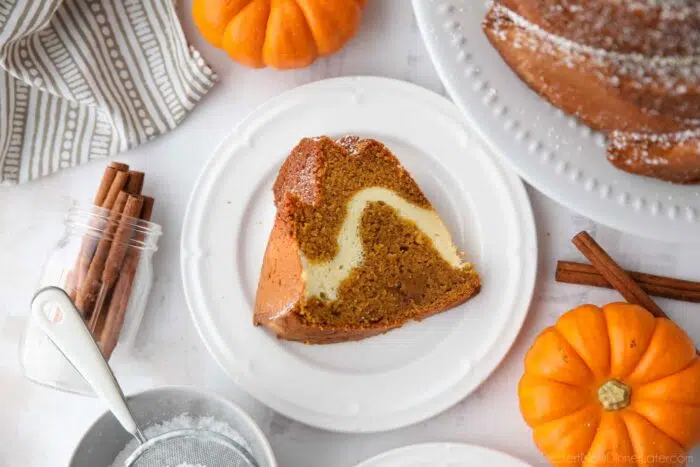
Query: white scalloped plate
553, 152
387, 381
443, 455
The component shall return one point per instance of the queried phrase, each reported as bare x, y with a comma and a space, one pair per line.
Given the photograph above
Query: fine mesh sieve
57, 316
192, 448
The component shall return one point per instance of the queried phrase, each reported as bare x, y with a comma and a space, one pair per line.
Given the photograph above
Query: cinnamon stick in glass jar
113, 181
118, 305
89, 286
118, 247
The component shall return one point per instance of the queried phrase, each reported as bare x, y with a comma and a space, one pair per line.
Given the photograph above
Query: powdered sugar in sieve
183, 421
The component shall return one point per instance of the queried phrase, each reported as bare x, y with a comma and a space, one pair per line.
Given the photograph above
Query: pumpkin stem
614, 395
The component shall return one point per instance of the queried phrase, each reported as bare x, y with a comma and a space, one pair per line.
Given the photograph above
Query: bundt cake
630, 67
356, 248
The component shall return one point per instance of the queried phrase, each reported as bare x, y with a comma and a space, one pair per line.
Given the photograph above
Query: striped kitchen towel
84, 79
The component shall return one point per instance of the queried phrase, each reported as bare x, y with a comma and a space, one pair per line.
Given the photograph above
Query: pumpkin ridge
562, 342
585, 363
667, 376
267, 33
597, 426
654, 426
595, 430
641, 358
662, 397
578, 323
623, 360
610, 349
678, 404
308, 25
552, 380
529, 383
586, 407
637, 455
629, 438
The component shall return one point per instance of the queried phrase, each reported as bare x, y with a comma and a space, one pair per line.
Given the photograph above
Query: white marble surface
40, 427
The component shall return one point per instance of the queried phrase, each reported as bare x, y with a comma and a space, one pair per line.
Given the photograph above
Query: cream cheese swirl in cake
323, 278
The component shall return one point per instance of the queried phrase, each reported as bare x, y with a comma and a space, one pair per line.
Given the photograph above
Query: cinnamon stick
120, 181
115, 257
105, 185
135, 183
90, 286
659, 286
114, 320
146, 212
131, 213
120, 166
615, 275
114, 179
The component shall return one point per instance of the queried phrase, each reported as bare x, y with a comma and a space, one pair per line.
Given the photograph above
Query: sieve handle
55, 314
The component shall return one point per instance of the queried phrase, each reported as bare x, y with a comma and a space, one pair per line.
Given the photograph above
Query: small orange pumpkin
278, 33
612, 386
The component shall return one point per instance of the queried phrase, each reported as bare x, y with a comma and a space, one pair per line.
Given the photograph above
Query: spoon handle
56, 315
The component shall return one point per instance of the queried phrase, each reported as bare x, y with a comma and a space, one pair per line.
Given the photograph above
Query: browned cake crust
401, 277
674, 157
647, 27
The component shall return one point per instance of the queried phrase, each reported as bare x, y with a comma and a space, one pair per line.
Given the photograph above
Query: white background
40, 427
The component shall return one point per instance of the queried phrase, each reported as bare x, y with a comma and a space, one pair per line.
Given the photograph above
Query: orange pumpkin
278, 33
612, 386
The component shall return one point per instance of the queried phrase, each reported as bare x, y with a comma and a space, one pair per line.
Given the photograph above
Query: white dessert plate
442, 455
555, 153
387, 381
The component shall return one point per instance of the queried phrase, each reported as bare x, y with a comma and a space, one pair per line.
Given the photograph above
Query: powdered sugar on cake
675, 74
666, 140
350, 142
648, 27
678, 152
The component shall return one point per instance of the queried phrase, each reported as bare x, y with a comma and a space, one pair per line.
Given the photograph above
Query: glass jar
104, 263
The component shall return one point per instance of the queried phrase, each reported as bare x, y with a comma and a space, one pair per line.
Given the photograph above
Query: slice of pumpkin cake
356, 249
